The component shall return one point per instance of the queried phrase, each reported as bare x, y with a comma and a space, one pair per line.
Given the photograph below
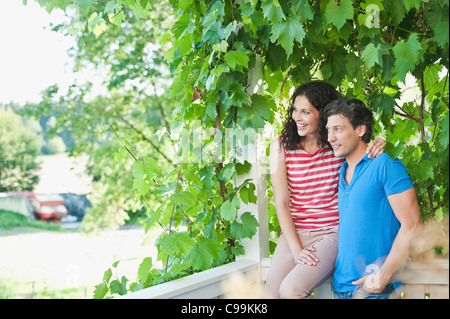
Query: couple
323, 151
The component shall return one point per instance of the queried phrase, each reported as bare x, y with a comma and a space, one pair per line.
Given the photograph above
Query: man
377, 205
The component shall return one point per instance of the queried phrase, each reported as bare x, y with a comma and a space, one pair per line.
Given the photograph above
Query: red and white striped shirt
313, 184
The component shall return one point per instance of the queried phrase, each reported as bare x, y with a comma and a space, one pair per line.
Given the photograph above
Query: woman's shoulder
275, 143
276, 147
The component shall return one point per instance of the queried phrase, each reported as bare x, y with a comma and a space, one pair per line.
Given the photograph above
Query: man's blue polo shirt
367, 226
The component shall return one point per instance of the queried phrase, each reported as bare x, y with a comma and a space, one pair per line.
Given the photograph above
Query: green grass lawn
43, 260
11, 288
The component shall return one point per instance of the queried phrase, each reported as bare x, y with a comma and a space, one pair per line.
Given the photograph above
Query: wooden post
256, 248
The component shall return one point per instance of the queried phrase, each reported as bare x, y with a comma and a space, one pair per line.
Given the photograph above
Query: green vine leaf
272, 10
119, 287
100, 290
228, 209
246, 229
107, 275
144, 269
372, 55
305, 11
85, 5
203, 254
431, 75
339, 14
247, 194
236, 58
441, 34
255, 114
184, 198
143, 172
286, 32
397, 11
175, 243
422, 171
382, 102
410, 50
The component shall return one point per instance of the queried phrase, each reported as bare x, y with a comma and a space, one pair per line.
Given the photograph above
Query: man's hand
372, 283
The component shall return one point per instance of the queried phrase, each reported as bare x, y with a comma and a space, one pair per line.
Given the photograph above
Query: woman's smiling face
306, 117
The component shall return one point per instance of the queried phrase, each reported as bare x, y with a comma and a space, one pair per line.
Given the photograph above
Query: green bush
9, 220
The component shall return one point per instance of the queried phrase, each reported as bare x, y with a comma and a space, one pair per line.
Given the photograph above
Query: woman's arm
278, 176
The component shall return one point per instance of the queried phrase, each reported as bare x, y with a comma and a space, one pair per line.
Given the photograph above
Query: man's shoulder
386, 160
391, 172
383, 157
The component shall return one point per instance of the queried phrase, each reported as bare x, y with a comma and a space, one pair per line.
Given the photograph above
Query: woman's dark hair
356, 112
319, 95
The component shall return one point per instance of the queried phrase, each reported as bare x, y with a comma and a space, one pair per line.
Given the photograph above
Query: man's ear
361, 130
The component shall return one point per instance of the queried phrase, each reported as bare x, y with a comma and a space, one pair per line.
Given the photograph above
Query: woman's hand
376, 147
306, 257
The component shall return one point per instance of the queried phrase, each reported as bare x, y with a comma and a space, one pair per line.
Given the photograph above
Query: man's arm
406, 209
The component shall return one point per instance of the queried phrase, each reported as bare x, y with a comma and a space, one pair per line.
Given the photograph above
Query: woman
305, 175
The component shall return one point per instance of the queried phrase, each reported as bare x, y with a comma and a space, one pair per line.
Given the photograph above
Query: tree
125, 120
18, 152
367, 49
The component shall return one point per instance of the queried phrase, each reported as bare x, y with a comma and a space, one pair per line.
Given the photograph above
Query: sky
32, 57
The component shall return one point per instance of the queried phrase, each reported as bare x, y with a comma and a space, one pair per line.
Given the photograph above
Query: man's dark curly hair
319, 95
356, 112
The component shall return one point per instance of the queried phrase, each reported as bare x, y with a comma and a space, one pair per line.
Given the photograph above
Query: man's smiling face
341, 135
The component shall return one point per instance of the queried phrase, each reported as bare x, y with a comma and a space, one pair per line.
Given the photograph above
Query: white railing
207, 284
421, 280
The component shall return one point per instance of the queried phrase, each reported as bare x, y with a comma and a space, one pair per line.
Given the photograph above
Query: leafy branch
118, 137
145, 138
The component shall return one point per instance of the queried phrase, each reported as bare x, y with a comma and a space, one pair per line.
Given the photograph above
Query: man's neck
357, 155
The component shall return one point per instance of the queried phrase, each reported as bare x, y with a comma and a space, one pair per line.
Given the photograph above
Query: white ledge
202, 285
